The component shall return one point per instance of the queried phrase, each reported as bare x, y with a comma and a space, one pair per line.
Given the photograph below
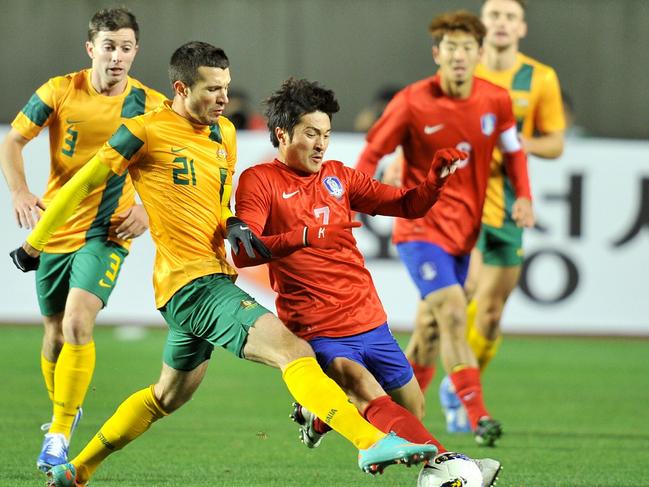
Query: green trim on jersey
36, 110
215, 133
109, 202
134, 103
510, 197
523, 78
124, 142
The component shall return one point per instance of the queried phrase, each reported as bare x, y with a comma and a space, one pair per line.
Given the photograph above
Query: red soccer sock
320, 426
468, 388
388, 416
424, 374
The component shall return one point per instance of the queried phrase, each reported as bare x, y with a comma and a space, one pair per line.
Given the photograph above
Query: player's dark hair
186, 60
522, 3
112, 19
462, 20
294, 99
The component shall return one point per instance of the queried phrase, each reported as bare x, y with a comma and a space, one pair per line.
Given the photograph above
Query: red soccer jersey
319, 292
422, 119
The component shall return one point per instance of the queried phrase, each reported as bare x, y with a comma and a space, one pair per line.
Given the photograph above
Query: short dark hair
294, 99
186, 60
112, 19
459, 20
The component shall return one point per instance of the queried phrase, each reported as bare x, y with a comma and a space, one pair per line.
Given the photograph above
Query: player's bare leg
423, 347
494, 287
448, 306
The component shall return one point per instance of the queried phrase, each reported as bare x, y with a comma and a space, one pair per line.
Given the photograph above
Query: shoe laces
56, 445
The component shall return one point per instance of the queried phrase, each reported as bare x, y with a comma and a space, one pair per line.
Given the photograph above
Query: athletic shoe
64, 475
54, 450
392, 449
490, 470
305, 418
457, 420
487, 431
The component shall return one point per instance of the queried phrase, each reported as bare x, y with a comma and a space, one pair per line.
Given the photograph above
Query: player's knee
453, 320
294, 349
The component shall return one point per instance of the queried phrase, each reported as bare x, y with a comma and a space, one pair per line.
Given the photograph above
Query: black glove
23, 260
236, 230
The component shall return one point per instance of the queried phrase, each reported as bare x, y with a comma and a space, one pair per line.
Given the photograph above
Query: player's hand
26, 257
27, 209
335, 236
522, 213
237, 231
136, 222
446, 161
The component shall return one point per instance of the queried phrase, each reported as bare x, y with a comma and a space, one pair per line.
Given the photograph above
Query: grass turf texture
575, 413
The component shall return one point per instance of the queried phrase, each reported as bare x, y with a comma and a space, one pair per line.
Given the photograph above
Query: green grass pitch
575, 413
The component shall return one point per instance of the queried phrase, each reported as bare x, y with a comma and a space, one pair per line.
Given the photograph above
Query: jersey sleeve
125, 146
153, 99
386, 134
506, 118
40, 109
252, 201
372, 197
550, 117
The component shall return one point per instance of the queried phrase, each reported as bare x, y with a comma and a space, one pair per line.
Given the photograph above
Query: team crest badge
334, 186
488, 123
221, 153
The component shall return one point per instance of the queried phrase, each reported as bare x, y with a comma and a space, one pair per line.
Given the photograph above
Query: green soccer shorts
93, 268
207, 312
501, 247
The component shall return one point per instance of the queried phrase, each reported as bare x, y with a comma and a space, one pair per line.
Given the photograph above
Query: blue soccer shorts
431, 267
376, 350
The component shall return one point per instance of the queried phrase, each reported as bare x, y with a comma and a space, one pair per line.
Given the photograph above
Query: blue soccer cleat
64, 475
54, 450
392, 449
457, 421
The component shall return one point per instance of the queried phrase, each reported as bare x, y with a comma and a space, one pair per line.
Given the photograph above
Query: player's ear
90, 49
180, 88
523, 30
281, 135
436, 54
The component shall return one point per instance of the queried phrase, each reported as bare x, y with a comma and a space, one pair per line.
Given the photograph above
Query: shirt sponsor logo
431, 129
72, 122
178, 149
334, 186
488, 123
286, 195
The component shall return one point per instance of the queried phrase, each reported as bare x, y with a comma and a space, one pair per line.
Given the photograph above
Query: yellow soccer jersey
80, 120
183, 174
536, 96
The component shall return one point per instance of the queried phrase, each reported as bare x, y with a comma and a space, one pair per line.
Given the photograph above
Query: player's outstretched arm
375, 198
66, 201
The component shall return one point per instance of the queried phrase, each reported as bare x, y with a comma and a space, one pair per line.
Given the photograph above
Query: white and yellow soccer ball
450, 469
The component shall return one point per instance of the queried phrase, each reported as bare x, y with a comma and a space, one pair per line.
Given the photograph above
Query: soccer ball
450, 470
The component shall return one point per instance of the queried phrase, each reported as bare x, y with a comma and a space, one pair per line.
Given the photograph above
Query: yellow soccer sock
483, 348
471, 313
132, 418
323, 397
72, 376
47, 369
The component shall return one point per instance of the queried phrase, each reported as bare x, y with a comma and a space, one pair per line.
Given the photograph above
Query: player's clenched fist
446, 161
334, 236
